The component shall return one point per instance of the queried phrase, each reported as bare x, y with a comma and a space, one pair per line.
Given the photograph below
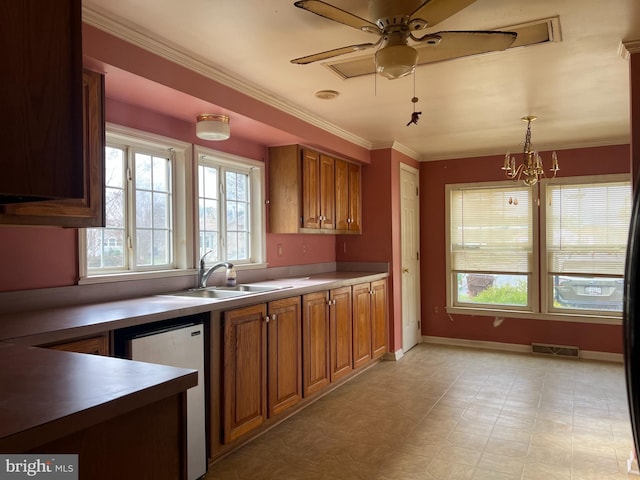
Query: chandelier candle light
531, 166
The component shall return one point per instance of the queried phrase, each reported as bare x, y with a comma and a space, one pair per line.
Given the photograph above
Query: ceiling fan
395, 24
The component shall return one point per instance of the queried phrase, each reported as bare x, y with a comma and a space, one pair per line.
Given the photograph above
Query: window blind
587, 227
491, 229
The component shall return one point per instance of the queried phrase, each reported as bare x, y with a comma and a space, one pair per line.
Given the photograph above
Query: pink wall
380, 241
40, 257
433, 178
37, 257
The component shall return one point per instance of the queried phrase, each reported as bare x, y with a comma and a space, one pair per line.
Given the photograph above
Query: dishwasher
176, 343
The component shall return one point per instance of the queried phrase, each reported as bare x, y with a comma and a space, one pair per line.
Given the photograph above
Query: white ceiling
578, 88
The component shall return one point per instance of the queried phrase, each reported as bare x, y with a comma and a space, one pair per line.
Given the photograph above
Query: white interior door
410, 244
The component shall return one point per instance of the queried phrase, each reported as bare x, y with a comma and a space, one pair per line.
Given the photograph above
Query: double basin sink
221, 293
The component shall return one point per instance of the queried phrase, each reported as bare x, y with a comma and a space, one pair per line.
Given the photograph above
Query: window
587, 226
495, 262
141, 231
491, 237
153, 186
230, 208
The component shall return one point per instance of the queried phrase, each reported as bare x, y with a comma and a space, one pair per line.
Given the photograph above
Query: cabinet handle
372, 292
273, 317
266, 319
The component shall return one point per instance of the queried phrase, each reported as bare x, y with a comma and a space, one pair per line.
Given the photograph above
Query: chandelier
531, 169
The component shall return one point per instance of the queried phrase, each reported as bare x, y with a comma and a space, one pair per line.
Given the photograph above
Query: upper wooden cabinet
347, 188
87, 211
311, 192
41, 98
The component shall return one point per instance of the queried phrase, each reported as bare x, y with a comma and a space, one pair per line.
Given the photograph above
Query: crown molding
134, 34
627, 48
394, 145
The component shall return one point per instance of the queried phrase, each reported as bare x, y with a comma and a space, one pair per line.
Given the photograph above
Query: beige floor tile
453, 413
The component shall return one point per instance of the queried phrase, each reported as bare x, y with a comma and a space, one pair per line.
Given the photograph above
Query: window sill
149, 275
556, 317
128, 276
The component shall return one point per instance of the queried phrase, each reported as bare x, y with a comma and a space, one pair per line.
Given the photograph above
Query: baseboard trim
515, 347
602, 356
461, 342
393, 356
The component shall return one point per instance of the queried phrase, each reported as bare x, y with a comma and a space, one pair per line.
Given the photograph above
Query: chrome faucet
203, 274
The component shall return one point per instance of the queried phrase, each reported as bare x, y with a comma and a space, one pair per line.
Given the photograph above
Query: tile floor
453, 413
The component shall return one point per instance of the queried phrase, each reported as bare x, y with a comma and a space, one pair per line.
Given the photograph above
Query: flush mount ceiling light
531, 167
212, 127
326, 94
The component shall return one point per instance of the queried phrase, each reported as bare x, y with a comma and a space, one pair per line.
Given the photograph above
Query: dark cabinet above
41, 98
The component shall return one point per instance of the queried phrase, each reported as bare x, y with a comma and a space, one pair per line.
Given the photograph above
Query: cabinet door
342, 195
378, 318
361, 324
310, 189
347, 192
315, 342
354, 198
284, 382
327, 192
245, 370
285, 195
41, 98
87, 211
341, 332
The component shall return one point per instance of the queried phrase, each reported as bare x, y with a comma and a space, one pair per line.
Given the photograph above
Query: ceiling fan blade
462, 44
435, 11
333, 53
337, 15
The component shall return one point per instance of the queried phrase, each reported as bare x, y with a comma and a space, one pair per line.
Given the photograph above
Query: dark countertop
48, 394
38, 327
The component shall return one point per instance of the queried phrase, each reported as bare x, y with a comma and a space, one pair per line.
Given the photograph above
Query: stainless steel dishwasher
178, 343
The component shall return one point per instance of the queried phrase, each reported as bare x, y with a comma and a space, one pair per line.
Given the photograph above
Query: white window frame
256, 171
451, 285
121, 136
546, 286
542, 291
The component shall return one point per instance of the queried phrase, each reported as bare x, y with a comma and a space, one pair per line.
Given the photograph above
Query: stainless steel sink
210, 292
227, 292
250, 288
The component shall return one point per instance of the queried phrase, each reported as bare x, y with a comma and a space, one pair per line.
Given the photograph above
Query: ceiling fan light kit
531, 169
212, 127
395, 24
395, 61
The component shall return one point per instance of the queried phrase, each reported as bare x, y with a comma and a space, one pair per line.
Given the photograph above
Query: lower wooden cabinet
98, 345
379, 318
262, 373
284, 337
315, 342
276, 355
369, 321
340, 329
244, 371
361, 324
